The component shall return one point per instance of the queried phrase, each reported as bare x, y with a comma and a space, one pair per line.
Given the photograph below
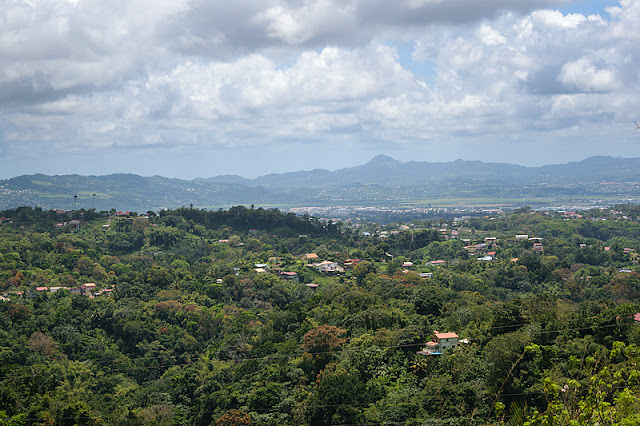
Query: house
327, 266
473, 249
426, 275
289, 276
87, 288
348, 263
310, 256
407, 264
440, 343
437, 262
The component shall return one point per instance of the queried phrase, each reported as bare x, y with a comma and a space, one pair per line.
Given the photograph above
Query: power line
289, 356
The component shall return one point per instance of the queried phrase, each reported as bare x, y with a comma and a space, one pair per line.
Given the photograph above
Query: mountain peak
383, 160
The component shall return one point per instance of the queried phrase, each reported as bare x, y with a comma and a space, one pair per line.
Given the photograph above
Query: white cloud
583, 75
489, 36
554, 19
81, 74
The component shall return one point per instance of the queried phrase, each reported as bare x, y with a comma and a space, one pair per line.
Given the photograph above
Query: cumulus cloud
584, 75
86, 74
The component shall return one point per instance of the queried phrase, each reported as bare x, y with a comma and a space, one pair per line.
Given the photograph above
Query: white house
328, 266
441, 342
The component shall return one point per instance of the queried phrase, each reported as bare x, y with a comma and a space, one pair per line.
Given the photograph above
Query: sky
200, 88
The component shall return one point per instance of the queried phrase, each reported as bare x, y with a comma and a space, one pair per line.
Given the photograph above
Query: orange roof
446, 335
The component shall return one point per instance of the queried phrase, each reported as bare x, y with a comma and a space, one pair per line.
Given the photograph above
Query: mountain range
383, 170
381, 181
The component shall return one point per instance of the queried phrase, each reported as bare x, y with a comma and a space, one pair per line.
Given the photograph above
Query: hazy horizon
300, 170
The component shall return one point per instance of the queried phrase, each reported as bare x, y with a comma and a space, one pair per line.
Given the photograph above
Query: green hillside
224, 317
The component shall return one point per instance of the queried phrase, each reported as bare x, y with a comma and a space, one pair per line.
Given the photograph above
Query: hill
381, 181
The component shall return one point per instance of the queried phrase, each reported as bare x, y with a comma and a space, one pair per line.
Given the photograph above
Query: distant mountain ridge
381, 181
383, 169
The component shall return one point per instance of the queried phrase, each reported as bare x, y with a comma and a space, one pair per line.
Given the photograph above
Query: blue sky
184, 88
589, 7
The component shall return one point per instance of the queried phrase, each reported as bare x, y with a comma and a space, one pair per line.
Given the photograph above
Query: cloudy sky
188, 88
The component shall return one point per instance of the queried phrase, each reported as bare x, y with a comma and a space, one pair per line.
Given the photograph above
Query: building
440, 343
290, 276
87, 289
349, 263
327, 266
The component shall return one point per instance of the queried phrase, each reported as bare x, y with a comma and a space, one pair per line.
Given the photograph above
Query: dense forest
254, 316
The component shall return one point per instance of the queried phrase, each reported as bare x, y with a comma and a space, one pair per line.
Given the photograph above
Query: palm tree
94, 201
75, 201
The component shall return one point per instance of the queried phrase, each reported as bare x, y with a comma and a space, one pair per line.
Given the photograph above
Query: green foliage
184, 331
